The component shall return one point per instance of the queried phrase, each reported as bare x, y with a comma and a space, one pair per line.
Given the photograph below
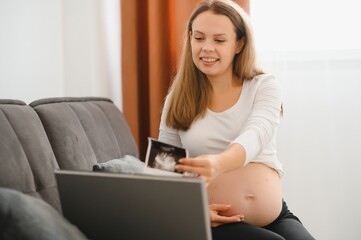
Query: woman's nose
208, 46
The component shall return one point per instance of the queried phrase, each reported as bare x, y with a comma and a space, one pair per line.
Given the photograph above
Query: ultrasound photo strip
163, 156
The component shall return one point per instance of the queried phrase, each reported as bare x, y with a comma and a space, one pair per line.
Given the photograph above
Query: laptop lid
119, 206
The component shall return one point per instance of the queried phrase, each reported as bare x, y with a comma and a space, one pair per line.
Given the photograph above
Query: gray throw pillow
127, 164
26, 217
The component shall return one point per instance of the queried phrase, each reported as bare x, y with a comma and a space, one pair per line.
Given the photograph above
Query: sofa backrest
27, 161
58, 133
85, 131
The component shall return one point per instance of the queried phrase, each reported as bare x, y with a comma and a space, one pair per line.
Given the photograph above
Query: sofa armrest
26, 217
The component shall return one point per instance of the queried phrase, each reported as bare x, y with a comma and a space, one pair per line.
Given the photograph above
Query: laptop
134, 207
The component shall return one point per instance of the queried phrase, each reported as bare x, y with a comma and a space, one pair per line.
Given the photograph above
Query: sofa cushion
85, 131
26, 157
26, 217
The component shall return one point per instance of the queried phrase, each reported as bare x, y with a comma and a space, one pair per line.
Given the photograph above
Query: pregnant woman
225, 110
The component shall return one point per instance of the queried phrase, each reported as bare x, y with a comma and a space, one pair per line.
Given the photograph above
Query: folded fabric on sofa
127, 164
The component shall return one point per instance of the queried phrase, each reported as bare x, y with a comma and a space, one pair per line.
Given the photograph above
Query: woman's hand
217, 219
205, 166
211, 166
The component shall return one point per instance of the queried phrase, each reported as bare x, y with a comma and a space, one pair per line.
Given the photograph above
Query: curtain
318, 62
152, 35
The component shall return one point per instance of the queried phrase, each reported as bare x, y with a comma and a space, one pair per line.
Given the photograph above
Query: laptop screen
119, 206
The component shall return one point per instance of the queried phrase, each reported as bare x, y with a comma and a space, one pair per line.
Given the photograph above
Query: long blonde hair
191, 90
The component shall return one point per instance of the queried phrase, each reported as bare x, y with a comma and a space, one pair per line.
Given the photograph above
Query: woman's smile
209, 60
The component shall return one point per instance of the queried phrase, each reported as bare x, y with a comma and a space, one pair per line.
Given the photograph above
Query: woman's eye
220, 40
198, 38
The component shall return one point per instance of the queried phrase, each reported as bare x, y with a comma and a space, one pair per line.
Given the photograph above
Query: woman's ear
240, 45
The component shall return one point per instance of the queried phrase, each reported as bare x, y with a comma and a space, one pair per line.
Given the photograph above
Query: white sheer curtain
60, 48
314, 49
91, 35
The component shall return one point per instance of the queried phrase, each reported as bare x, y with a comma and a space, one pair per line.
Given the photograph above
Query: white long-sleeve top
251, 122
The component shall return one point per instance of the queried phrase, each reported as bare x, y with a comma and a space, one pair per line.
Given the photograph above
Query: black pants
286, 227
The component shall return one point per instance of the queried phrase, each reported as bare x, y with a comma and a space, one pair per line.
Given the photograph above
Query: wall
60, 48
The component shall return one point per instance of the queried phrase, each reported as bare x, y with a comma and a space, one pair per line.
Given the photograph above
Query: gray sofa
49, 134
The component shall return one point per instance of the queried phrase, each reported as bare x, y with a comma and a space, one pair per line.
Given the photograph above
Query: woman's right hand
217, 219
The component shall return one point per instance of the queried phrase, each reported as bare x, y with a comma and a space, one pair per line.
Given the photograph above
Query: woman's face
214, 44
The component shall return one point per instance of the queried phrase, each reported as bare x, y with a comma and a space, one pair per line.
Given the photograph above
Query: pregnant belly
253, 190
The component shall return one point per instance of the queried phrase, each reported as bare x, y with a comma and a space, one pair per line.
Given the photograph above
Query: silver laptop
134, 207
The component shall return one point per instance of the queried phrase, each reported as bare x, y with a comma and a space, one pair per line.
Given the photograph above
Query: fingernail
228, 206
180, 160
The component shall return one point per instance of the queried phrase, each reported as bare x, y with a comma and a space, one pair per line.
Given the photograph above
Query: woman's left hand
217, 219
205, 166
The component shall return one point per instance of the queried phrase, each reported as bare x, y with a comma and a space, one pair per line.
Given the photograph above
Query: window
306, 24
